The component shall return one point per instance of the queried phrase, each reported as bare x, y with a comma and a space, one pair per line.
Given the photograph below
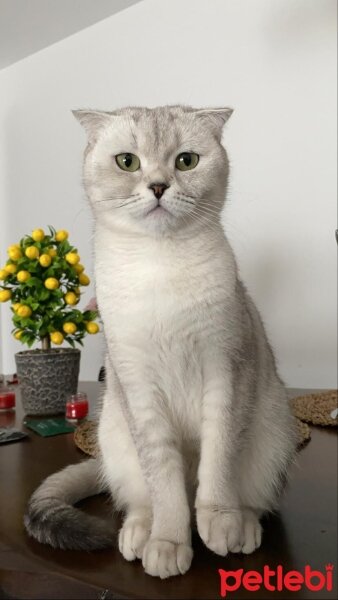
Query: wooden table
303, 532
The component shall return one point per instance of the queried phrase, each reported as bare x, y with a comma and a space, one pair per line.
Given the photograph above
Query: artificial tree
42, 278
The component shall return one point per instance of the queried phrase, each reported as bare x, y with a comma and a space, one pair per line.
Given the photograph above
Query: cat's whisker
187, 195
200, 218
206, 223
113, 198
208, 210
208, 220
211, 209
124, 203
184, 200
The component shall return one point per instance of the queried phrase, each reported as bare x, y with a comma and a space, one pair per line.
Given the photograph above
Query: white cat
194, 415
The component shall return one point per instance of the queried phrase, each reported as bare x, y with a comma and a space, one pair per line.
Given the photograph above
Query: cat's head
155, 170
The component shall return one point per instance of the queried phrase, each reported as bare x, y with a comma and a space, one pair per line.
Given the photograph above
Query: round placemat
85, 436
319, 408
304, 433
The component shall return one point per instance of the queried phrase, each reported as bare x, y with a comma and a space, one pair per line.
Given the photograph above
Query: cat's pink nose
158, 189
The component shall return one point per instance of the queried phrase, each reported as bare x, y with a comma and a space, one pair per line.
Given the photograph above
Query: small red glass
7, 399
77, 407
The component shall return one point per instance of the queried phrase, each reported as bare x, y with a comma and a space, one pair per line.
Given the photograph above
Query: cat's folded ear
92, 120
216, 117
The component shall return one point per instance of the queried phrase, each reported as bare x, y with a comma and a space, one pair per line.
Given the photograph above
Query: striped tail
52, 519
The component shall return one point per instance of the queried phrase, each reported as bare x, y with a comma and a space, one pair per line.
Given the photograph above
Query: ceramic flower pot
47, 378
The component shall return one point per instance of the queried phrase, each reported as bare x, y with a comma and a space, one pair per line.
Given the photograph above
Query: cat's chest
154, 297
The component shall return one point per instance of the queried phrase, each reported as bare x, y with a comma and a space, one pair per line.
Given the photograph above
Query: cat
195, 419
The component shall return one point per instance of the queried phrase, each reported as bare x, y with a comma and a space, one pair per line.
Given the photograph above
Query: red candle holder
77, 407
7, 399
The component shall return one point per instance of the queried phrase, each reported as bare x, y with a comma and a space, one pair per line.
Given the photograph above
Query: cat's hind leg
264, 463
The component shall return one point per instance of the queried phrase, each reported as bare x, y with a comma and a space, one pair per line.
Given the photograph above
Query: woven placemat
304, 433
85, 436
318, 409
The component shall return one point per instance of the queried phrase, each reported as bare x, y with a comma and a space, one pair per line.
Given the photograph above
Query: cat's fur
194, 417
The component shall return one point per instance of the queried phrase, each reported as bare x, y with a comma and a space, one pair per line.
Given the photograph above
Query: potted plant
42, 279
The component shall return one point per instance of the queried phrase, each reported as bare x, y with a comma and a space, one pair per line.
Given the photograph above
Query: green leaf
64, 247
34, 282
43, 294
90, 315
21, 261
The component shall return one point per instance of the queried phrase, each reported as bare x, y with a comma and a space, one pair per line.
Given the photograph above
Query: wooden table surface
304, 532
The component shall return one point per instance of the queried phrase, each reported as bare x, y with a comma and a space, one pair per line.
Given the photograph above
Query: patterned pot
47, 378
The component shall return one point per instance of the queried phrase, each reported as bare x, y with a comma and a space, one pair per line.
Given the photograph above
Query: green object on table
50, 426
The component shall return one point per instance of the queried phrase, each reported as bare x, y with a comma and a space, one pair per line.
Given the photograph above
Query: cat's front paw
252, 532
164, 559
221, 530
133, 537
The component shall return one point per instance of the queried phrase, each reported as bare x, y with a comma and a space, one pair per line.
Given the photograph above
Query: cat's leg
135, 532
252, 531
218, 512
168, 551
122, 471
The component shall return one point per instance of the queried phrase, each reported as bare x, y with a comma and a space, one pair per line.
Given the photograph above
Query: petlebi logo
275, 580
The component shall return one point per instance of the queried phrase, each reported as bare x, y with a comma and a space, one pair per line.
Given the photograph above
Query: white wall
275, 63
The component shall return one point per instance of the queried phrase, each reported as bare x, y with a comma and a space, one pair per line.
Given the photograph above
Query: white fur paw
220, 530
252, 532
133, 537
165, 559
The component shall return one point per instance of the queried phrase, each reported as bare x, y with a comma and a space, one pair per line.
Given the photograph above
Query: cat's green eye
186, 161
128, 161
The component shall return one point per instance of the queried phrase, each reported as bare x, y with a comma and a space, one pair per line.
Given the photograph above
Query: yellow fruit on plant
38, 235
3, 274
18, 334
56, 337
32, 252
71, 298
51, 283
84, 279
92, 327
5, 295
69, 327
72, 258
79, 268
23, 276
52, 252
24, 311
61, 235
11, 268
15, 306
14, 252
77, 291
45, 260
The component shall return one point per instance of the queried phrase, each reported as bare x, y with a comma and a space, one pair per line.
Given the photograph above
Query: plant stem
45, 342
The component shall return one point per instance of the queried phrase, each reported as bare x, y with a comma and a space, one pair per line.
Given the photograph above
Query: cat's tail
52, 519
